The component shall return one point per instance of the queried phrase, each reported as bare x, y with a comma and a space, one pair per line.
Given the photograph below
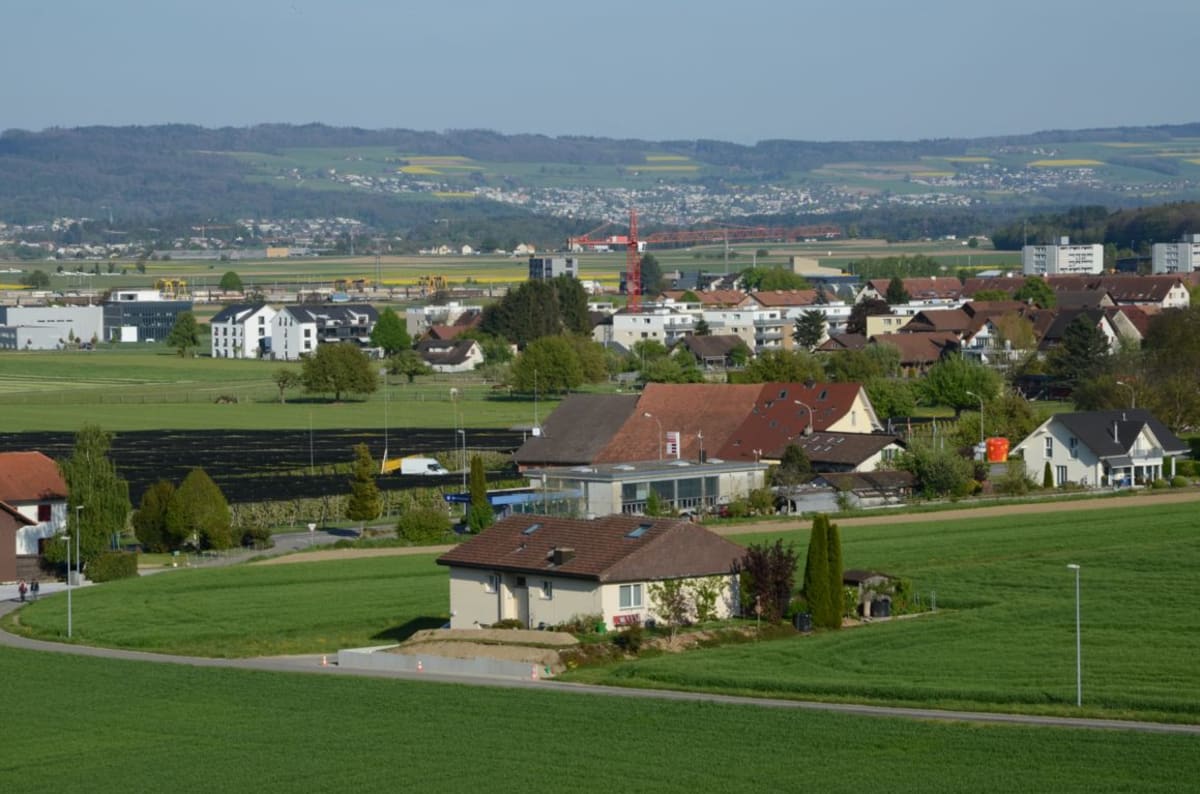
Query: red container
997, 450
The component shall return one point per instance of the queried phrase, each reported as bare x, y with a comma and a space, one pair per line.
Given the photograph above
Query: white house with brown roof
546, 570
34, 496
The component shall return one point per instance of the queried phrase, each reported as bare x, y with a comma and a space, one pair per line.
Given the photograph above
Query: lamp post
649, 415
463, 458
977, 397
808, 428
67, 541
1078, 642
1132, 394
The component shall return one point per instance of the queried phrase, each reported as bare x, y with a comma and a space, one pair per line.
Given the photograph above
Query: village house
33, 507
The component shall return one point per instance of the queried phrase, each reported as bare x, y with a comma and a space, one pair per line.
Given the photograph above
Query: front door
521, 594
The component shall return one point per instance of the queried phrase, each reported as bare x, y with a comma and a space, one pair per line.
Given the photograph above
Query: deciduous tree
409, 364
549, 363
959, 383
231, 282
185, 334
93, 484
198, 512
338, 368
284, 379
150, 519
390, 333
809, 329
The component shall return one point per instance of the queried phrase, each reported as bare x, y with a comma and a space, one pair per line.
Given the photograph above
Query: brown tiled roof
924, 287
992, 308
776, 419
578, 430
954, 320
1081, 299
714, 409
843, 449
869, 480
603, 549
843, 342
29, 477
785, 297
973, 285
715, 346
1136, 316
436, 352
919, 348
1122, 289
18, 518
714, 297
446, 332
1053, 332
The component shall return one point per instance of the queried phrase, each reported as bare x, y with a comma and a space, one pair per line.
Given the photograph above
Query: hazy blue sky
655, 69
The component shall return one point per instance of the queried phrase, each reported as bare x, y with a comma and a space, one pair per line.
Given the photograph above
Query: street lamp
977, 397
463, 433
67, 542
1132, 394
1078, 643
808, 428
649, 415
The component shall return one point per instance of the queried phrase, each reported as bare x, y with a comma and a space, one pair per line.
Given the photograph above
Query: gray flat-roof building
542, 268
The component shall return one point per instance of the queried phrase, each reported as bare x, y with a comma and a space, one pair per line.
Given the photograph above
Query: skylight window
638, 531
529, 530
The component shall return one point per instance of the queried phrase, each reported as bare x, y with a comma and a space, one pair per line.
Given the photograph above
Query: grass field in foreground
1004, 636
112, 726
255, 610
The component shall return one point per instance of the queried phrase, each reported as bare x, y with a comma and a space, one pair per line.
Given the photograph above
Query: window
631, 596
1060, 473
492, 583
43, 513
547, 590
1074, 445
1049, 447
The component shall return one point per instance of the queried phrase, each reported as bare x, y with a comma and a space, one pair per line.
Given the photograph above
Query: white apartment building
297, 330
1180, 257
1062, 259
659, 323
242, 331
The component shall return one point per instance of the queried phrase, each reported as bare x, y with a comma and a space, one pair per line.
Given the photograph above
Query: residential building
542, 571
1062, 258
657, 323
714, 351
242, 331
461, 355
923, 291
681, 486
33, 507
297, 330
544, 268
1180, 257
419, 319
1101, 448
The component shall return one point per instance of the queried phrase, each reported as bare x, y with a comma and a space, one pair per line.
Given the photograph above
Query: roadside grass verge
203, 729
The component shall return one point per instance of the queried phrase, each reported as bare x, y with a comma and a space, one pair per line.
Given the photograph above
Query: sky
656, 69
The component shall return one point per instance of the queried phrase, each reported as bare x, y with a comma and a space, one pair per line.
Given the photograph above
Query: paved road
313, 665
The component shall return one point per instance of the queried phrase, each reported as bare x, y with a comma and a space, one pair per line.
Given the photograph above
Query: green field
147, 387
111, 726
267, 610
1002, 639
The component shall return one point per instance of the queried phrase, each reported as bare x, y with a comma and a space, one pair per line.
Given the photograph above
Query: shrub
508, 623
762, 501
1185, 467
737, 508
1180, 482
630, 640
423, 525
257, 538
1047, 476
583, 624
1159, 484
112, 565
1015, 481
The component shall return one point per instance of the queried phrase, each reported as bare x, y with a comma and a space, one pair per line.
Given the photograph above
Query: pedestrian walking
21, 590
34, 587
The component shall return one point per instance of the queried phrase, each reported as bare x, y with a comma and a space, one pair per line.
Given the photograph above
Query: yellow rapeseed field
1064, 163
651, 158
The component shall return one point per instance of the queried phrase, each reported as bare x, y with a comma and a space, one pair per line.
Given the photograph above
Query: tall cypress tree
364, 503
479, 515
816, 570
833, 545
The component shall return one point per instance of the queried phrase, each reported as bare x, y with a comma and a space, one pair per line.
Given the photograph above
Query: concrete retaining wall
374, 659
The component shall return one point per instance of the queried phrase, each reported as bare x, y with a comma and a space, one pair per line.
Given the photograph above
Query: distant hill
407, 179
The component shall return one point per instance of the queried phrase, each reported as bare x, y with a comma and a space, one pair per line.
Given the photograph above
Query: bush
508, 623
257, 538
1185, 467
583, 624
1159, 484
1047, 476
630, 640
1015, 481
423, 525
1180, 482
762, 501
113, 565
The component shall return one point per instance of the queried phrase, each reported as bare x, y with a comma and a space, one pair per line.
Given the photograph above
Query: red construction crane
633, 261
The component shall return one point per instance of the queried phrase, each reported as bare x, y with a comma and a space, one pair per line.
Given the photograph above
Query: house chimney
1116, 438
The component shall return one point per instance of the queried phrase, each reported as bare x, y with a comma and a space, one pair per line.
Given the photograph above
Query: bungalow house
459, 355
242, 331
925, 290
544, 570
1101, 448
714, 351
920, 351
34, 499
